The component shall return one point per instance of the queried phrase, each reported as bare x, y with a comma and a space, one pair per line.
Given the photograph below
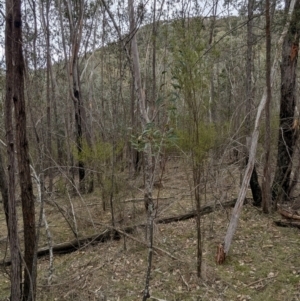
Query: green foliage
109, 187
157, 137
191, 81
61, 186
191, 73
198, 143
99, 153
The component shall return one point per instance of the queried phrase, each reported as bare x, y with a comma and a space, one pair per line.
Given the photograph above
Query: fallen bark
287, 224
114, 234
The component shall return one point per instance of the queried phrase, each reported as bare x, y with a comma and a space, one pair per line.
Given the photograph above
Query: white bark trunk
148, 170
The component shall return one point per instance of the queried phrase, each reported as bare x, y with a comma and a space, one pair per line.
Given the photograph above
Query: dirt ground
263, 263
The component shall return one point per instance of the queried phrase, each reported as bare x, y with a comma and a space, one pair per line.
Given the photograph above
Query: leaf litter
263, 263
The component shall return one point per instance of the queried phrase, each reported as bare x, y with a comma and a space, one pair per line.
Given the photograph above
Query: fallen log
76, 244
287, 224
287, 214
138, 200
114, 234
203, 211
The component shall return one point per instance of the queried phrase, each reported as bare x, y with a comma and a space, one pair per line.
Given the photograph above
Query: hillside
161, 119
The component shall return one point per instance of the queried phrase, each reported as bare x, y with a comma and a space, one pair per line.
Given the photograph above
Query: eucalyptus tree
40, 85
266, 182
76, 19
249, 107
287, 42
146, 122
10, 206
45, 12
192, 75
15, 100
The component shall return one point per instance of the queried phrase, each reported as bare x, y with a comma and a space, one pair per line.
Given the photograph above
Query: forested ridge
149, 150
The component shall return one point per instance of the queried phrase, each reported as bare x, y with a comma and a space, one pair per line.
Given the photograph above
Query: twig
183, 280
145, 244
142, 199
260, 280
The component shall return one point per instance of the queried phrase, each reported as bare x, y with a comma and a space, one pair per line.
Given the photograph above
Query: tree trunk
12, 11
225, 246
287, 131
27, 198
254, 184
49, 99
148, 170
145, 120
266, 183
75, 16
4, 189
197, 191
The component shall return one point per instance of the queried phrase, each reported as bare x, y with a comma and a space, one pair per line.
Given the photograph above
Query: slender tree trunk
211, 114
68, 114
15, 273
154, 34
4, 189
48, 157
76, 27
197, 190
266, 183
287, 131
148, 170
27, 198
49, 101
59, 131
14, 95
254, 184
145, 120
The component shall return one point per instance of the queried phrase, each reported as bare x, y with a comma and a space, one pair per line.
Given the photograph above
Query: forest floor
263, 262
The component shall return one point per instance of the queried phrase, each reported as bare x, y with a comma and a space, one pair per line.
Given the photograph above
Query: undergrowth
263, 262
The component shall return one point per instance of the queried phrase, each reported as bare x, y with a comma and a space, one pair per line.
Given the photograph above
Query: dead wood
286, 223
253, 147
287, 214
114, 234
142, 199
261, 280
145, 244
75, 244
203, 211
